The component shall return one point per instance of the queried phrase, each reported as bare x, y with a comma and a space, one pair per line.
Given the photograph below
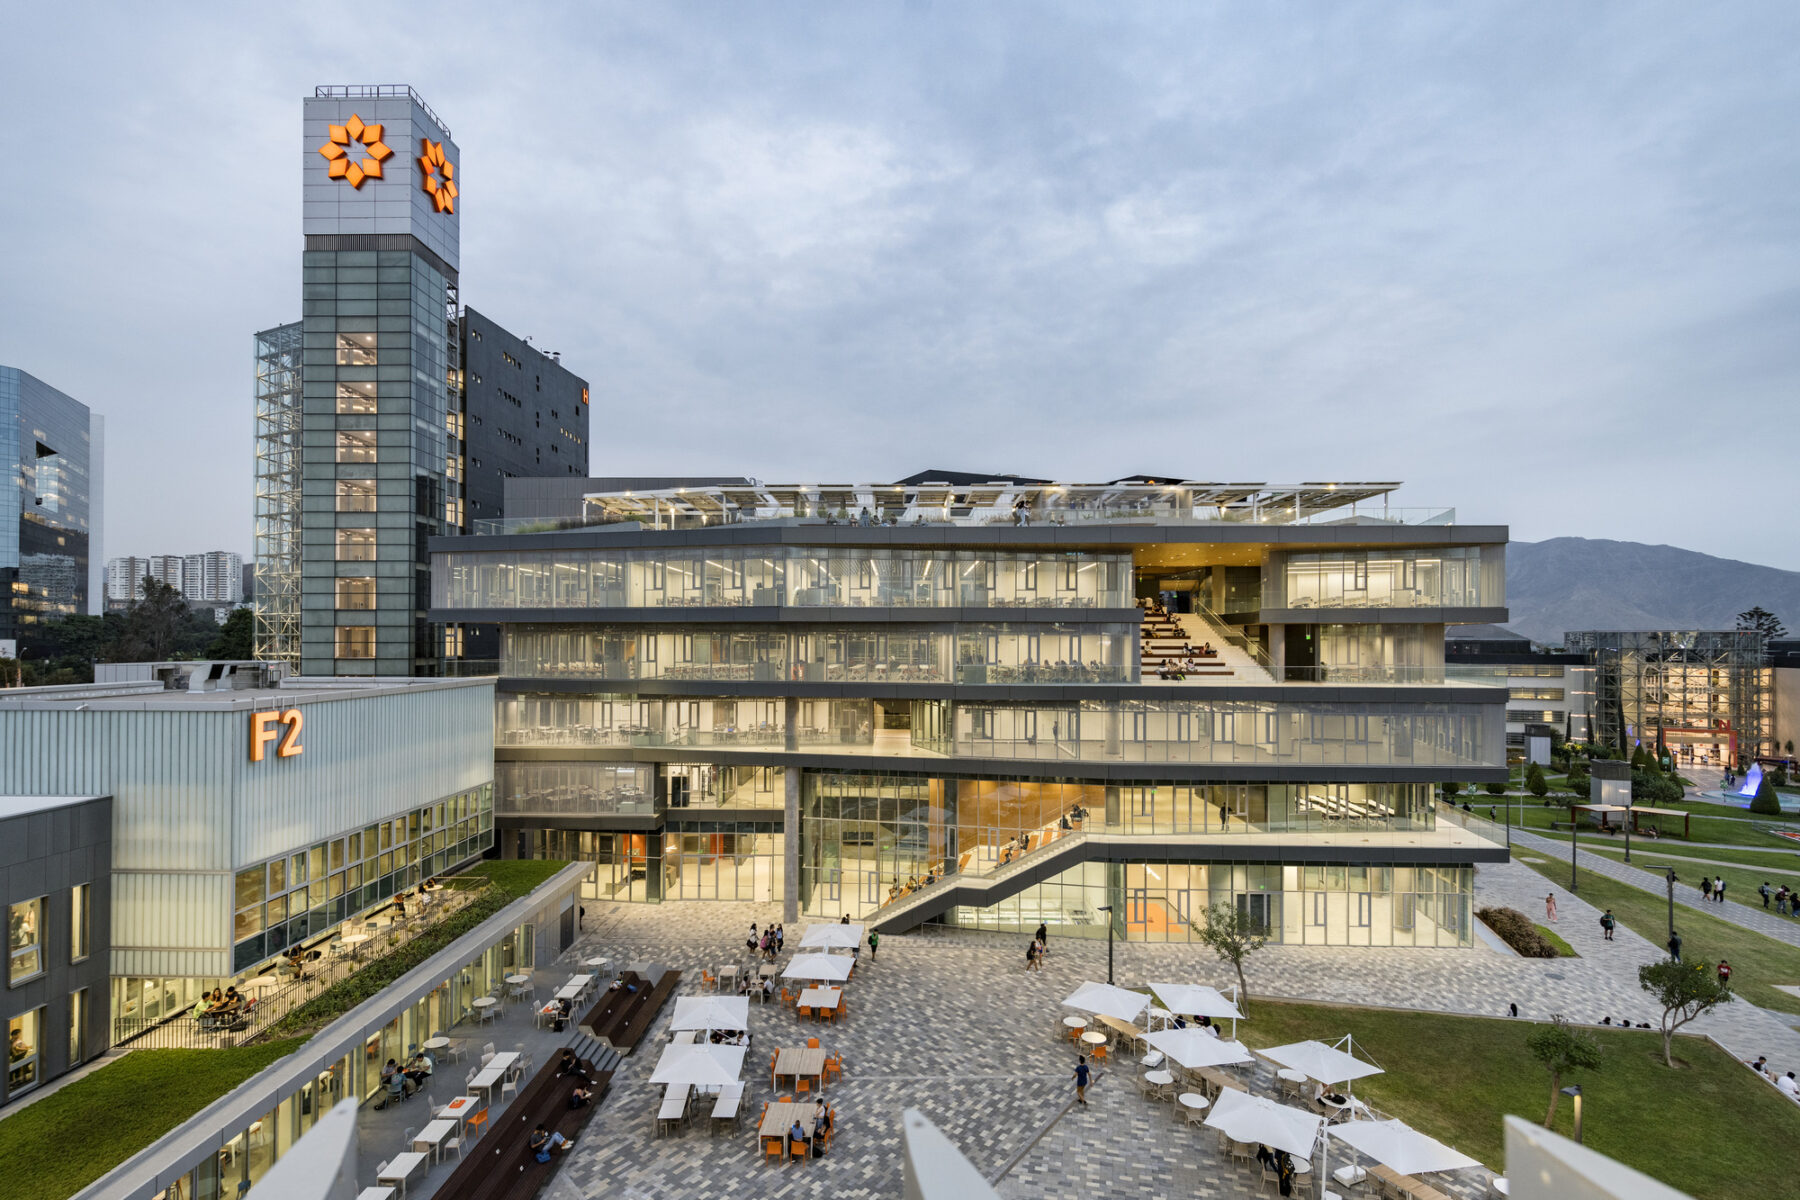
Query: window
23, 1033
355, 446
79, 902
356, 397
453, 422
356, 495
25, 941
356, 641
356, 349
356, 594
453, 513
78, 1018
356, 545
453, 641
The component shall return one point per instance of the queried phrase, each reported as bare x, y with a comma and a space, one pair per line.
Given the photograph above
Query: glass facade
1288, 732
1380, 653
1707, 696
298, 896
869, 836
788, 576
49, 473
24, 941
1345, 904
851, 654
1437, 577
546, 719
580, 789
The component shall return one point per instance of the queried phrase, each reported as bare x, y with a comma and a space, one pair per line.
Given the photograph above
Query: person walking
874, 941
1031, 957
1719, 889
1550, 906
1043, 937
1674, 947
1724, 973
1082, 1075
1607, 923
1705, 888
1765, 893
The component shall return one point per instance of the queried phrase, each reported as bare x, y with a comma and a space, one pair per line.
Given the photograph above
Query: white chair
406, 1141
508, 1086
453, 1142
487, 1052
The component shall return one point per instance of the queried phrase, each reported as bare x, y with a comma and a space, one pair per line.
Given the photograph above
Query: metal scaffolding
278, 415
1708, 693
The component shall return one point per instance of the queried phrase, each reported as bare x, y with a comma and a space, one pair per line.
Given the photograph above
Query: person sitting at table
419, 1068
768, 986
846, 919
560, 1022
798, 1133
544, 1143
389, 1069
1264, 1156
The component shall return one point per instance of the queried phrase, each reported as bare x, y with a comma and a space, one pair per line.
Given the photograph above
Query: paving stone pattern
951, 1024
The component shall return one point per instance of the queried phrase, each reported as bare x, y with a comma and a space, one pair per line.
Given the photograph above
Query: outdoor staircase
1200, 629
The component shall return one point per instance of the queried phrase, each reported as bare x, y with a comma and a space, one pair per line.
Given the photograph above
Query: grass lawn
1741, 882
1563, 949
1771, 861
1756, 961
65, 1141
1455, 1077
514, 876
1704, 829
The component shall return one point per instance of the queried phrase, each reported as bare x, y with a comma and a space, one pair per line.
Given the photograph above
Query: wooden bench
622, 1015
501, 1166
1403, 1187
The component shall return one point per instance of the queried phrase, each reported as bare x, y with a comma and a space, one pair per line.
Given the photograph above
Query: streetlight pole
1671, 881
1108, 909
1574, 882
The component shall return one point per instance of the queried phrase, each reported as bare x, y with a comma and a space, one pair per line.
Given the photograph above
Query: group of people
402, 1081
583, 1095
1039, 948
222, 1007
813, 1137
1785, 898
914, 883
766, 943
1178, 669
1714, 888
1786, 1084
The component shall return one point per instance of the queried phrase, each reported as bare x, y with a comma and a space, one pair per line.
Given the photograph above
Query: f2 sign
283, 728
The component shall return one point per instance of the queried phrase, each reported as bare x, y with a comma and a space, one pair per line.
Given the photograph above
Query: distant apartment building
50, 460
1544, 687
388, 414
211, 579
1706, 696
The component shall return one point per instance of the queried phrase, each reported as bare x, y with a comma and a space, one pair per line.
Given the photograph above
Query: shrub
1764, 802
1495, 789
1535, 783
1451, 789
1579, 782
1517, 930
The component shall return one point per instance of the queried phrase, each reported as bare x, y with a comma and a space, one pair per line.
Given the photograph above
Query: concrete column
1112, 808
790, 846
791, 723
952, 851
1113, 718
1278, 651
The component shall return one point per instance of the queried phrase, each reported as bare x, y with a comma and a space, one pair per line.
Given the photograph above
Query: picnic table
816, 998
572, 990
730, 1099
802, 1062
674, 1106
401, 1166
432, 1136
459, 1109
779, 1118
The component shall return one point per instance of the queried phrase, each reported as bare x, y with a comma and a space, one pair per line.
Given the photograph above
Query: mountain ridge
1573, 583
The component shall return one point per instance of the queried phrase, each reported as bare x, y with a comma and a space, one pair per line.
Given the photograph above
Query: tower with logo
380, 448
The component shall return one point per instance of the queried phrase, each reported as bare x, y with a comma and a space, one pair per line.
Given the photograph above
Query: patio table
802, 1062
432, 1136
401, 1166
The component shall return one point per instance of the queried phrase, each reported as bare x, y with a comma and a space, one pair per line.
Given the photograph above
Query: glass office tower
49, 508
378, 374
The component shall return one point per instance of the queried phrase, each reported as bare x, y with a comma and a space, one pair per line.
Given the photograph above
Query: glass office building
990, 704
50, 455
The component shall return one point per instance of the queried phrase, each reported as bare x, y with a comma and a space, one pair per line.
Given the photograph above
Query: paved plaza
949, 1023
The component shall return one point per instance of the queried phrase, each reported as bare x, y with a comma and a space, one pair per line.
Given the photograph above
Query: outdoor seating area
627, 1008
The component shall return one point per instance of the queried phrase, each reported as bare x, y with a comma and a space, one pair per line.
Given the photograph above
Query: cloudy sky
1542, 262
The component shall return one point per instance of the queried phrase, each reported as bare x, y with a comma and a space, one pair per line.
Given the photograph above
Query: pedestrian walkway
1756, 920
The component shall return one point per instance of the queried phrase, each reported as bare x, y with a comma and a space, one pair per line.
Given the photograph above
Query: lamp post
1670, 878
1107, 909
1574, 1092
1574, 846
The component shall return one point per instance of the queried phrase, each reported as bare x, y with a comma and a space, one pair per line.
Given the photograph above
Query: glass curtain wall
1217, 731
1438, 577
529, 719
795, 576
983, 654
723, 860
562, 789
1381, 653
1314, 905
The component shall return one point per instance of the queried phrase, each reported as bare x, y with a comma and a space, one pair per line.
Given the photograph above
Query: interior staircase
1200, 630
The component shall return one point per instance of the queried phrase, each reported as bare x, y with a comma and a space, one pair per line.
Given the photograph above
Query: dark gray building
50, 455
526, 414
55, 878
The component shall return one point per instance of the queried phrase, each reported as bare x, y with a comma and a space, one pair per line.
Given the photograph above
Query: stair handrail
1254, 649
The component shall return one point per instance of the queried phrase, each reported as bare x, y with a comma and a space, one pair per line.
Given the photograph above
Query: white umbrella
1196, 1001
1108, 1001
711, 1012
1194, 1048
699, 1065
1316, 1060
833, 968
1400, 1146
832, 937
1247, 1118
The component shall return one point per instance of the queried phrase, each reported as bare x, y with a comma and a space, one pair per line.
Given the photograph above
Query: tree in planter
1685, 993
1234, 936
1451, 789
1764, 803
1535, 783
1562, 1048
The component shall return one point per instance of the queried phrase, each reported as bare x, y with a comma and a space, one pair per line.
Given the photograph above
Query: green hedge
510, 879
57, 1146
1517, 930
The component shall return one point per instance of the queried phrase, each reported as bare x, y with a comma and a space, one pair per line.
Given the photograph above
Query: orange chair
797, 1149
771, 1072
709, 980
802, 1084
475, 1122
1099, 1052
812, 1043
834, 1066
802, 1012
787, 997
772, 1147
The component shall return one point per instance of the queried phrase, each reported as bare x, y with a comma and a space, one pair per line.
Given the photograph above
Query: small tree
1764, 803
1685, 992
1495, 789
1451, 789
1234, 936
1535, 783
1579, 781
1761, 620
1562, 1048
237, 637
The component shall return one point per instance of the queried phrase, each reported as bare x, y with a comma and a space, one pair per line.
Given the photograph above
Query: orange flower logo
437, 175
337, 151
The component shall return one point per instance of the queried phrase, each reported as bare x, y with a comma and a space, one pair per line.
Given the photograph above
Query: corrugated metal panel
178, 964
171, 911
